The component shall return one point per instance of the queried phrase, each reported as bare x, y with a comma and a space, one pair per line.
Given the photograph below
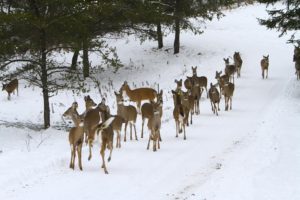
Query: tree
284, 19
33, 32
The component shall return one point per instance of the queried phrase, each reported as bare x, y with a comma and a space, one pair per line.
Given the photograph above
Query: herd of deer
98, 121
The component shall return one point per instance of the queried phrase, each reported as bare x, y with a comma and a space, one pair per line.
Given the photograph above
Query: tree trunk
159, 36
177, 26
85, 59
45, 80
177, 36
74, 59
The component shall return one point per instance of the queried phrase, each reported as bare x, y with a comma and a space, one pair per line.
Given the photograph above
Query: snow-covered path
250, 152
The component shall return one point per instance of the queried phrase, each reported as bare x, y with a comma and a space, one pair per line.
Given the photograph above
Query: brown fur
179, 114
228, 89
264, 63
148, 110
139, 94
154, 124
238, 63
221, 79
128, 113
11, 87
229, 69
214, 96
200, 80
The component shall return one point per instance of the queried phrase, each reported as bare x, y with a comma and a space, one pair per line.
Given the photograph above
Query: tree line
32, 32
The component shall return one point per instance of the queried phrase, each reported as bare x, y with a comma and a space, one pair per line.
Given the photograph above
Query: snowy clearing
251, 152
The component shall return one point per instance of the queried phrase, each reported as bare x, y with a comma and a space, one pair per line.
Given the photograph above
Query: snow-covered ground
251, 152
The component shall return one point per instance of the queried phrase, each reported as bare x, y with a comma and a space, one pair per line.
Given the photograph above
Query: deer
222, 79
147, 110
107, 133
139, 94
202, 80
296, 59
227, 91
90, 121
179, 114
196, 91
72, 113
11, 87
229, 69
128, 113
188, 101
214, 96
116, 123
238, 63
89, 104
264, 63
76, 138
154, 125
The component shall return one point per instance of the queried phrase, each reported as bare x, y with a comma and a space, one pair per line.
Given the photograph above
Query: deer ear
224, 59
180, 80
176, 81
161, 92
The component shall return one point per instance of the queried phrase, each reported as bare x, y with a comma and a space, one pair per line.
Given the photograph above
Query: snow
251, 152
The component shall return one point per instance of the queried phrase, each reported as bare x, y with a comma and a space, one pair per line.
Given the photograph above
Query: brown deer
195, 91
188, 83
154, 124
179, 114
296, 59
76, 138
89, 104
139, 94
116, 123
11, 87
264, 63
222, 79
128, 113
188, 101
238, 63
229, 69
227, 91
148, 110
214, 96
72, 113
91, 120
202, 80
107, 134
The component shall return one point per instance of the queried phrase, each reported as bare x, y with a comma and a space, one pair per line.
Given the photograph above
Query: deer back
139, 94
265, 62
237, 59
11, 86
228, 89
214, 94
188, 83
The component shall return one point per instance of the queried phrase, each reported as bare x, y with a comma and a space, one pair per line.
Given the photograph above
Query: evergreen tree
284, 19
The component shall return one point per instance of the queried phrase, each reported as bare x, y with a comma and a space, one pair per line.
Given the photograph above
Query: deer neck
128, 91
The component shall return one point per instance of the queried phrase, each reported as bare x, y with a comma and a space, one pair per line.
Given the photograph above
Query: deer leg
90, 148
267, 73
102, 152
79, 148
176, 123
191, 118
125, 131
118, 145
71, 161
130, 130
158, 145
110, 146
154, 141
149, 140
136, 138
184, 136
138, 104
263, 74
143, 121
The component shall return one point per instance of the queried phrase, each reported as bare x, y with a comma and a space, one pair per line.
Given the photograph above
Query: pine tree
284, 19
